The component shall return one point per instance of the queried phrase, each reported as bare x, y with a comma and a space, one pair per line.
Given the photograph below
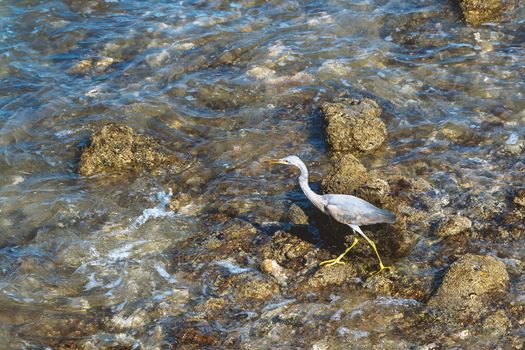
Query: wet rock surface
480, 11
336, 275
115, 149
272, 268
297, 215
519, 198
345, 175
354, 125
453, 226
471, 287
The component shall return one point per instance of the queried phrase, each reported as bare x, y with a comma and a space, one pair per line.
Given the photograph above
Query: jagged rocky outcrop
117, 148
481, 11
471, 286
354, 125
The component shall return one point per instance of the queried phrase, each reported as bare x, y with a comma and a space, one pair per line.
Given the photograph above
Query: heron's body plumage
352, 210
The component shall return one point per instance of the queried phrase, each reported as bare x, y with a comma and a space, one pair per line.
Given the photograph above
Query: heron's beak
276, 161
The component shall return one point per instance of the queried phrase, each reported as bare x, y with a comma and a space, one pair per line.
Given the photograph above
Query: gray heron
346, 209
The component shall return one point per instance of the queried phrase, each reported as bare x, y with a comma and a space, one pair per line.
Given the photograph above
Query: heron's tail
386, 216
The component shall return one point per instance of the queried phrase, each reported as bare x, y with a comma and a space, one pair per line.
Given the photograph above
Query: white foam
63, 133
359, 334
92, 282
121, 252
334, 298
513, 139
113, 284
159, 267
342, 331
231, 267
337, 315
159, 211
387, 301
356, 313
120, 246
17, 179
277, 305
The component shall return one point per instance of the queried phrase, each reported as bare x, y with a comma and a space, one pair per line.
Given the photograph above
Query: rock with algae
256, 289
354, 125
519, 197
345, 175
470, 287
297, 215
116, 148
331, 276
453, 226
480, 11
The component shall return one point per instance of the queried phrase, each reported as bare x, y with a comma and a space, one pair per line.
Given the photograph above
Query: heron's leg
373, 245
338, 259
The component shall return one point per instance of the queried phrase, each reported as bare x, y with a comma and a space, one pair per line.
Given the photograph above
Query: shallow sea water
230, 83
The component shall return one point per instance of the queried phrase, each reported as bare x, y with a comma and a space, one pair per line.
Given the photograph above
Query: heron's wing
352, 210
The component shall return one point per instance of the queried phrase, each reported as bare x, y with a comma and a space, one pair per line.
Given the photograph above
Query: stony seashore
139, 212
261, 286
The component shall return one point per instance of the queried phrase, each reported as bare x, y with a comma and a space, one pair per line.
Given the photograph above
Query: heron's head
291, 160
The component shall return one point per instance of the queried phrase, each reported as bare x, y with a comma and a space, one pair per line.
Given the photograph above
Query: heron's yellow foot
337, 260
332, 262
381, 268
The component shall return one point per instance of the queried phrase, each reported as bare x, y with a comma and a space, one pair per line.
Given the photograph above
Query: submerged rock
519, 198
453, 226
96, 65
211, 308
470, 287
195, 338
345, 175
174, 303
297, 215
480, 11
116, 148
354, 125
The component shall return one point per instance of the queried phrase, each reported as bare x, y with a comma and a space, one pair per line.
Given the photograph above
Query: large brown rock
116, 148
354, 125
480, 11
345, 175
470, 286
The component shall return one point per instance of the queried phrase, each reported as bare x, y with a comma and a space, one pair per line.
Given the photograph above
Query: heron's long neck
311, 195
